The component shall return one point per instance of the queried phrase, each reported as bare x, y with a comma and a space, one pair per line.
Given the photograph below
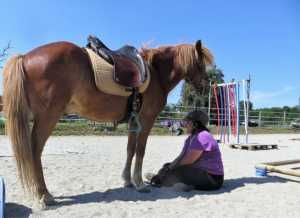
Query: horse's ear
199, 47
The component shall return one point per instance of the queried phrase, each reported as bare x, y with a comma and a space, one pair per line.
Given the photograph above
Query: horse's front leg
126, 175
139, 155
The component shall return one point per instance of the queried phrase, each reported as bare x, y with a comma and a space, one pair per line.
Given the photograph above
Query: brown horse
58, 77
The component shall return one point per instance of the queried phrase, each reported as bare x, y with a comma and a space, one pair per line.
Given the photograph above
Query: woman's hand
192, 156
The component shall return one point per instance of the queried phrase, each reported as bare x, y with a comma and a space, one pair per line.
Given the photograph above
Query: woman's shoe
149, 176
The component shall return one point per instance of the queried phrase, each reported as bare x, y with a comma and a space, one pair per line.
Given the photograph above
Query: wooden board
2, 197
253, 147
275, 167
281, 163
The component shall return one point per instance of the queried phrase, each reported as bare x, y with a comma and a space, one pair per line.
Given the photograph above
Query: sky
260, 38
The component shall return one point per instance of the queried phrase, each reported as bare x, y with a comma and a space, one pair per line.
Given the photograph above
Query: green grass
83, 128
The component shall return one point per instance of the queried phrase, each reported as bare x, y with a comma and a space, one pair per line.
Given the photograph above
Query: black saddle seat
130, 69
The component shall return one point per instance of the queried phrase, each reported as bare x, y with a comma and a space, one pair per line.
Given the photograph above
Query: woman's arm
175, 162
192, 156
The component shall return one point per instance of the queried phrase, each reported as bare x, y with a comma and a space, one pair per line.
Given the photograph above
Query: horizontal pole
285, 162
230, 83
277, 169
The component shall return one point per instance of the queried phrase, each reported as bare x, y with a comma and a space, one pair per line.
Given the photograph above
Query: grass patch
85, 128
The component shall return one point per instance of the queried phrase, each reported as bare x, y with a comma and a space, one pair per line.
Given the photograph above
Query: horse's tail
17, 114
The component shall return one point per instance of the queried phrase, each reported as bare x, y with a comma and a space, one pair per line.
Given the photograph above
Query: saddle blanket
103, 72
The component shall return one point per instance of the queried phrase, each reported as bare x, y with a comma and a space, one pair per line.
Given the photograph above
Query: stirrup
134, 123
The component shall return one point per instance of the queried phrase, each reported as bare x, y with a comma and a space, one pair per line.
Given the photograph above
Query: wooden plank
277, 169
254, 146
295, 139
285, 162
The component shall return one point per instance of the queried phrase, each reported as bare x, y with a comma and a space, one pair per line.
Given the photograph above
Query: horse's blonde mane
186, 55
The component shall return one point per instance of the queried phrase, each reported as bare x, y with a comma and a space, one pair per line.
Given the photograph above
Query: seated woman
199, 165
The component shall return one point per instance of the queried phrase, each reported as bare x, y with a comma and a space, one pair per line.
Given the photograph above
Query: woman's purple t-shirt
211, 159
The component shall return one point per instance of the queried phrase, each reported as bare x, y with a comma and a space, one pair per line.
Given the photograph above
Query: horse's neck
169, 74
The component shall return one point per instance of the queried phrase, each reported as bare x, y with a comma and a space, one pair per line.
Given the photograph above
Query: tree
216, 75
190, 97
4, 53
3, 56
274, 115
242, 105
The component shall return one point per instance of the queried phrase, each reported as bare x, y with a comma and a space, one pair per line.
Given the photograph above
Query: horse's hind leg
41, 130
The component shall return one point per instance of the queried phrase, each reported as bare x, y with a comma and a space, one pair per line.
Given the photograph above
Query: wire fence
257, 118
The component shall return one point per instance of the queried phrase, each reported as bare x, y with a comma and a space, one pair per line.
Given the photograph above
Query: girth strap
134, 105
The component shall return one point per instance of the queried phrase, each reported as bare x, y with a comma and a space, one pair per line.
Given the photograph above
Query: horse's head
196, 73
184, 61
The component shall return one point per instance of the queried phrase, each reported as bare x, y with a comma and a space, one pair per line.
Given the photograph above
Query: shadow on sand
128, 194
13, 210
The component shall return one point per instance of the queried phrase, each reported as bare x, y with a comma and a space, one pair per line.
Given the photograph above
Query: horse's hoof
39, 205
143, 189
48, 199
128, 185
45, 201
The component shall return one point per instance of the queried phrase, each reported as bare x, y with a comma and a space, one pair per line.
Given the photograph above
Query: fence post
284, 117
259, 119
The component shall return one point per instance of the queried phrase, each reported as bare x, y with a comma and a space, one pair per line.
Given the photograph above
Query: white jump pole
228, 106
2, 197
209, 103
248, 106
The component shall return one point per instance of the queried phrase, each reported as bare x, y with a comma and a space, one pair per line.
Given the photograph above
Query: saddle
129, 66
120, 72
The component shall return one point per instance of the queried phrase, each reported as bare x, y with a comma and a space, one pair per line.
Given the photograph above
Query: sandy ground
83, 173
